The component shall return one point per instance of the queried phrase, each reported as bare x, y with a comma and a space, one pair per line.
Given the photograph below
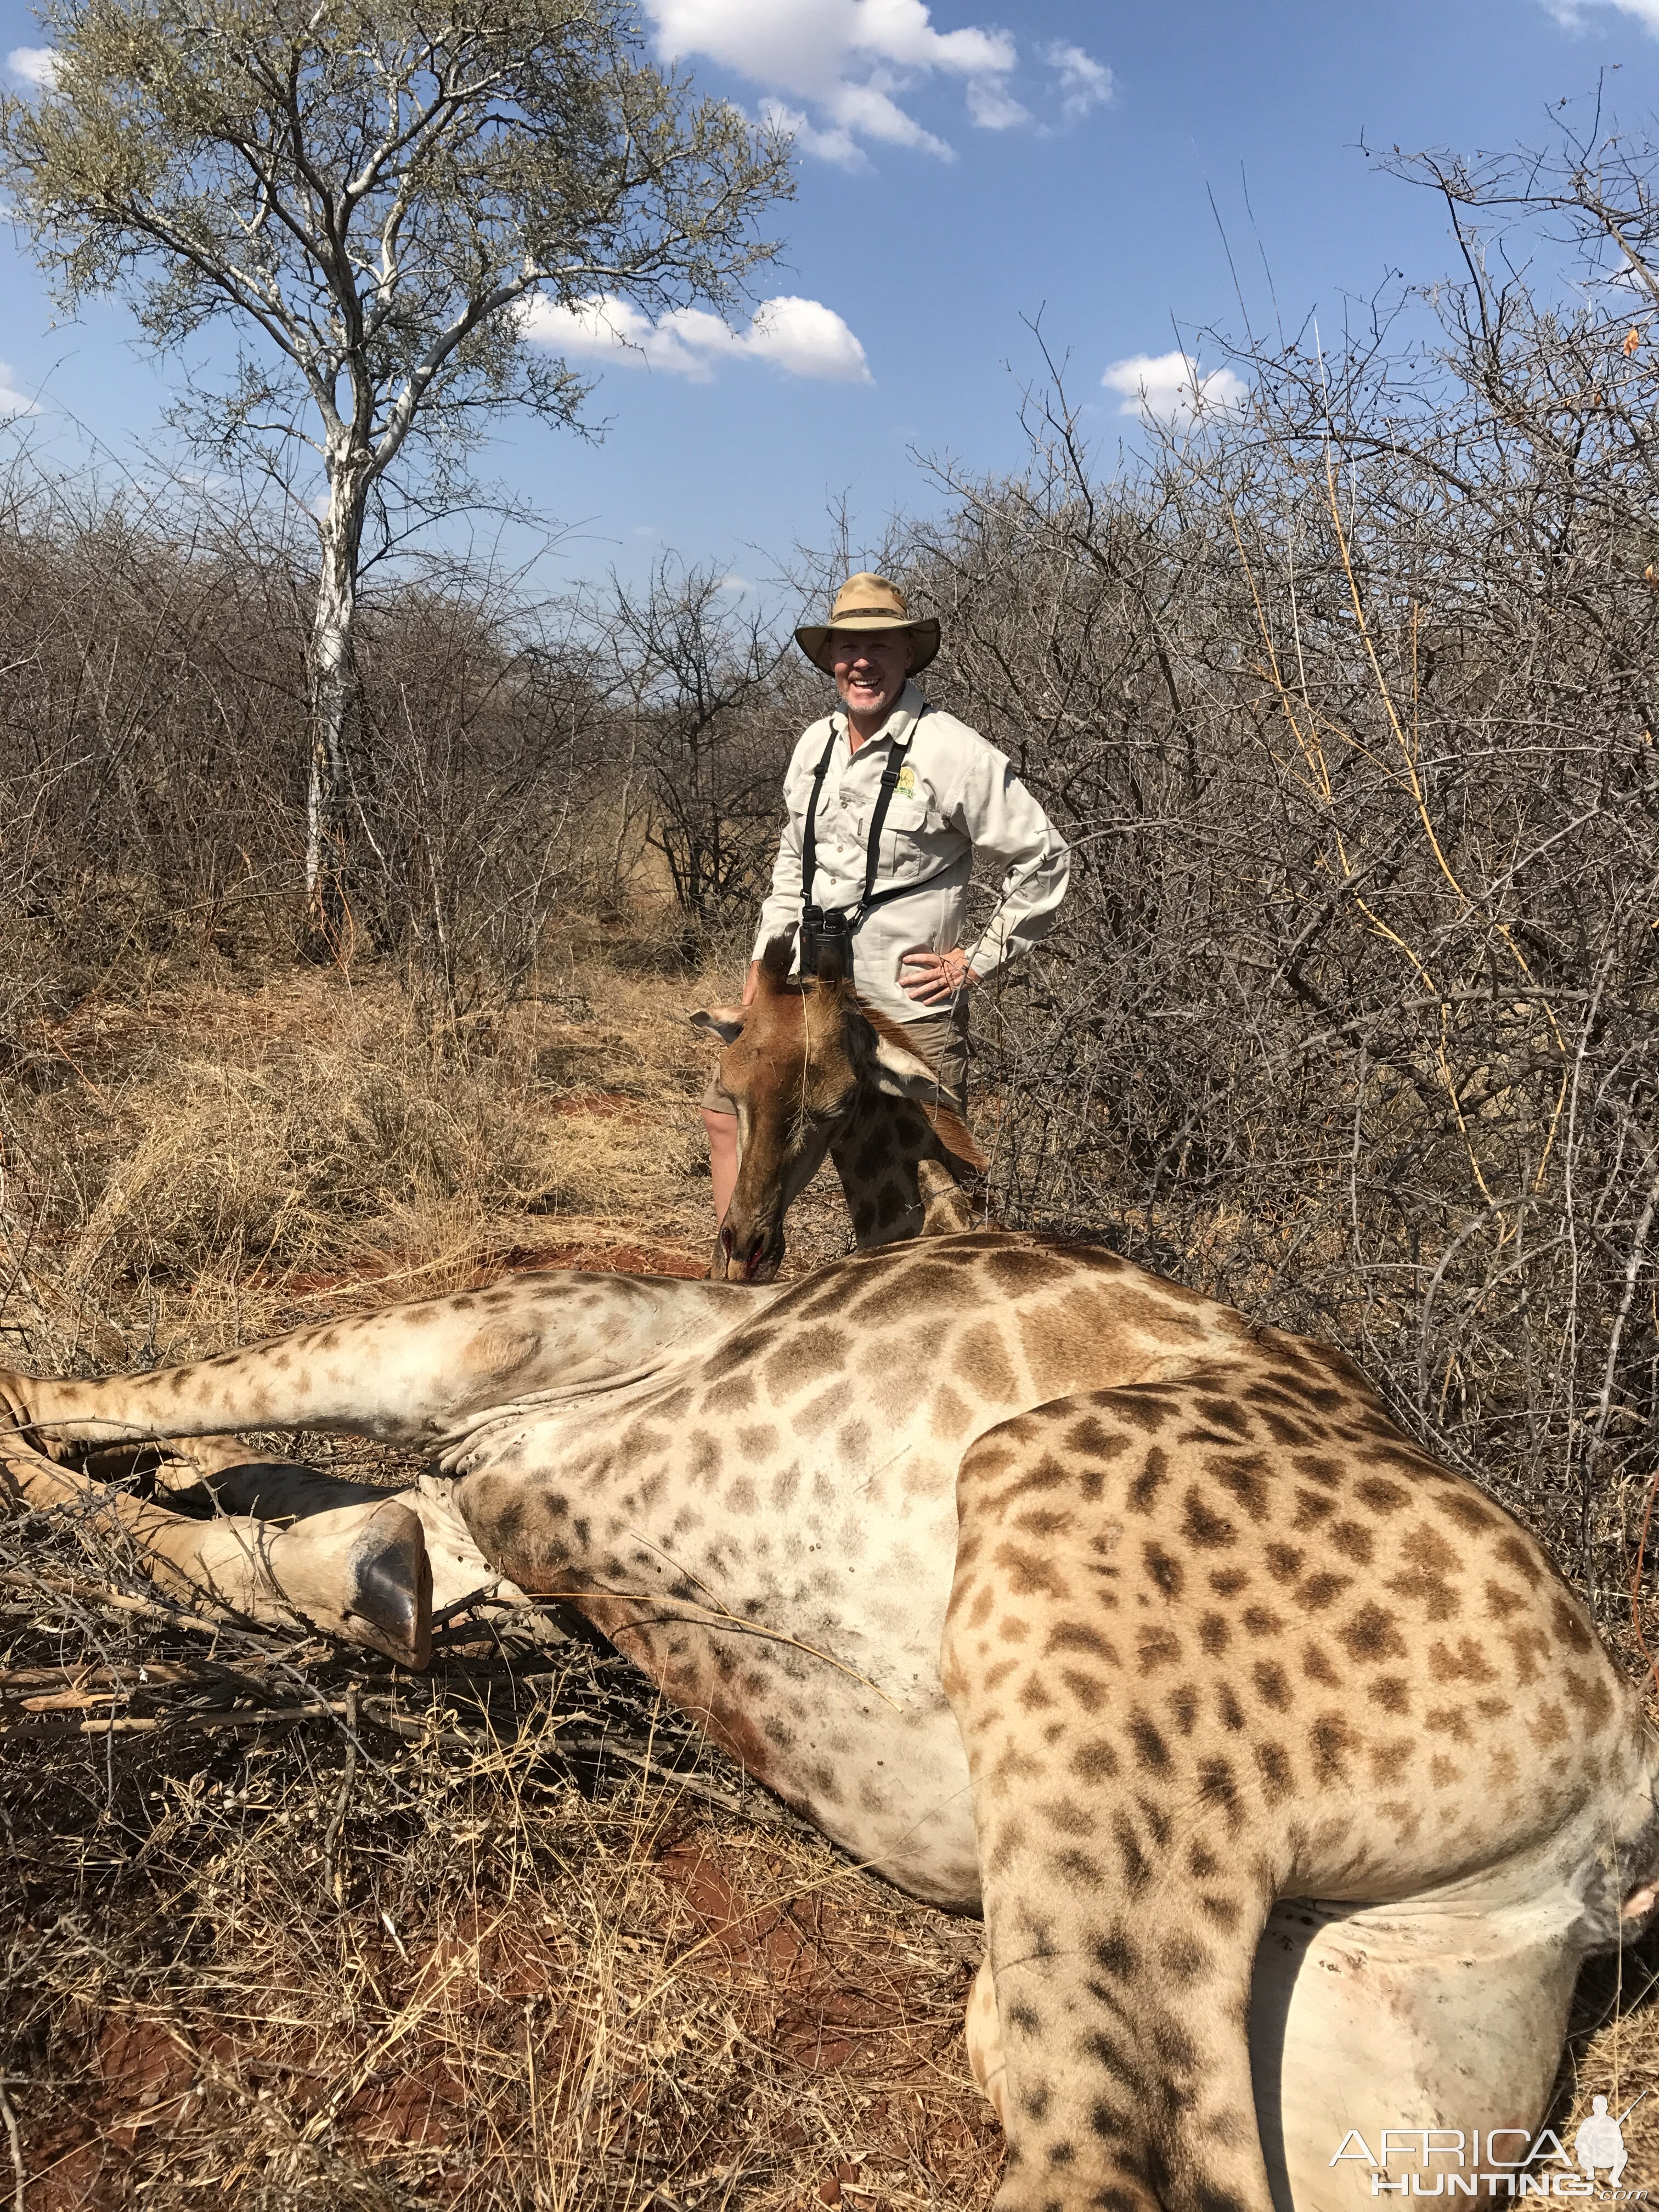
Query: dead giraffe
1289, 1777
812, 1071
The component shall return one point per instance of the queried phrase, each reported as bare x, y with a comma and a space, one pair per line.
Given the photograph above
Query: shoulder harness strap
809, 843
889, 782
890, 779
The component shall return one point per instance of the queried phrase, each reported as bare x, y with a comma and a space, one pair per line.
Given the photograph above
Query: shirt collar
905, 713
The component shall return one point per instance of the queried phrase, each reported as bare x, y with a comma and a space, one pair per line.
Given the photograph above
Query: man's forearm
1027, 911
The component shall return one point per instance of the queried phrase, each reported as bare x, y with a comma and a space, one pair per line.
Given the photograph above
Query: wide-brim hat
868, 602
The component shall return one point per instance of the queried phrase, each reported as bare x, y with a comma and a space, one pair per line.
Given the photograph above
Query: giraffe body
1289, 1779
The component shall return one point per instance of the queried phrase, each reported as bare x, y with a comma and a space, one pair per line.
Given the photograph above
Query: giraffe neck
899, 1179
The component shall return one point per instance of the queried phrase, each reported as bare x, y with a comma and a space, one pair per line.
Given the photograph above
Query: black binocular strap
809, 843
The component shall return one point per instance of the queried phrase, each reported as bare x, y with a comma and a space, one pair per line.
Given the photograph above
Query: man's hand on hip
935, 977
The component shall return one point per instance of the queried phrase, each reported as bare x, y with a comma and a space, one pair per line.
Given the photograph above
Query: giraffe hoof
361, 1572
391, 1604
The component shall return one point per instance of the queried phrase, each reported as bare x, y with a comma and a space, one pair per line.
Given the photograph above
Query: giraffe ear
725, 1023
902, 1074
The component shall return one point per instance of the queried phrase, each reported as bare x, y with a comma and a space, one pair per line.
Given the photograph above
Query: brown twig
14, 2143
332, 1879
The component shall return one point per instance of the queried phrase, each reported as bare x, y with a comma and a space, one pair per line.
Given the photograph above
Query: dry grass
216, 1162
219, 1161
508, 1956
298, 1930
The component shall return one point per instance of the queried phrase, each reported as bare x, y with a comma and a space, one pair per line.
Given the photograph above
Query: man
888, 801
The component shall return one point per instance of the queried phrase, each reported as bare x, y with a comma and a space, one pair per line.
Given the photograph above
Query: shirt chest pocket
907, 817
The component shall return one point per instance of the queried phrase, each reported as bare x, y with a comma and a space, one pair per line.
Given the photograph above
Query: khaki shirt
957, 796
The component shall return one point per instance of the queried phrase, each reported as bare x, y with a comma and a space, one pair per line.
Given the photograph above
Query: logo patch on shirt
906, 786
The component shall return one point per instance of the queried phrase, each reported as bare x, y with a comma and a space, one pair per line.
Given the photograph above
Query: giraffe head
811, 1070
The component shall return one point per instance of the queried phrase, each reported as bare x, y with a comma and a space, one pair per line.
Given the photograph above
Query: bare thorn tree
703, 701
371, 191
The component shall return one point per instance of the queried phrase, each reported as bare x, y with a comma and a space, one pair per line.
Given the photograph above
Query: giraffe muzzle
754, 1257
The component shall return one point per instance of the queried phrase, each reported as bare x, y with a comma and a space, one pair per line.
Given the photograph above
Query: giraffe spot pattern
1216, 1623
1264, 1718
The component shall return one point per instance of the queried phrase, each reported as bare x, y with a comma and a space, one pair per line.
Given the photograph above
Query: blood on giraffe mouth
759, 1262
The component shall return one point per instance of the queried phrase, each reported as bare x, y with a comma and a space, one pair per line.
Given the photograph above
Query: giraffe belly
885, 1778
893, 1792
802, 1633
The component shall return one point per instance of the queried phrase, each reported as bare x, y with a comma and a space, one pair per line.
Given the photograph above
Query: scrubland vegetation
1345, 700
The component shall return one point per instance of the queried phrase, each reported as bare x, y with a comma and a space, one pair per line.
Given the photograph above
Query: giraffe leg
219, 1475
358, 1572
1171, 1723
411, 1373
1127, 2074
216, 1475
287, 1490
1124, 1882
1484, 2000
415, 1372
1485, 2005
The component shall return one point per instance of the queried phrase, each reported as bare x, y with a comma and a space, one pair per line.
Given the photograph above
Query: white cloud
1168, 387
835, 69
1572, 12
802, 337
992, 106
872, 109
808, 340
796, 48
35, 65
836, 144
1083, 82
12, 401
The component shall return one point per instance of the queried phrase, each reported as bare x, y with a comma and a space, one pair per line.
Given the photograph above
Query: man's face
870, 668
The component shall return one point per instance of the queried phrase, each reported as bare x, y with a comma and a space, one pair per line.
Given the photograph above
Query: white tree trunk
336, 706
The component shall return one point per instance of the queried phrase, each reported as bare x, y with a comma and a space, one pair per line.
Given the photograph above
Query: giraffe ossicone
1290, 1778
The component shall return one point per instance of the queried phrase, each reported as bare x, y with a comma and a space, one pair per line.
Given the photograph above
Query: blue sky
960, 169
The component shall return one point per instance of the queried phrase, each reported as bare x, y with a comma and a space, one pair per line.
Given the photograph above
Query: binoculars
826, 939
